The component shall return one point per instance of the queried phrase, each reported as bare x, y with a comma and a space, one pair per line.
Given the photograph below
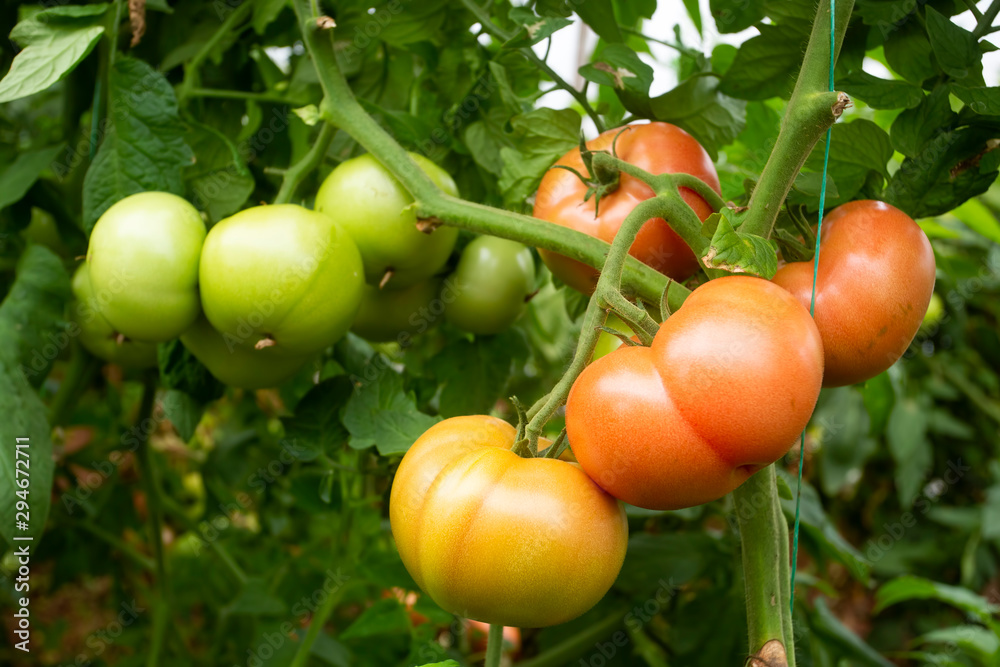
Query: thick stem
302, 168
763, 553
495, 30
147, 475
494, 646
810, 111
217, 93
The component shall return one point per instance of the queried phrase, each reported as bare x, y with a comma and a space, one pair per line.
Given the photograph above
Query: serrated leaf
914, 128
697, 106
735, 15
619, 67
540, 138
908, 51
180, 370
379, 413
475, 373
766, 65
534, 28
980, 99
54, 41
956, 49
219, 180
144, 147
16, 178
856, 149
184, 412
315, 427
737, 252
880, 93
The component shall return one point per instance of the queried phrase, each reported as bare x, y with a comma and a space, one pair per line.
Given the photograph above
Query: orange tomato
875, 281
728, 384
473, 522
656, 147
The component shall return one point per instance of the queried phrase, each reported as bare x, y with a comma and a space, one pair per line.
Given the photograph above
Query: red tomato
656, 147
875, 281
472, 522
727, 386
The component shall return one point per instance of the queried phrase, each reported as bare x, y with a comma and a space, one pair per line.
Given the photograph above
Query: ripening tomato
397, 314
656, 147
875, 281
376, 210
144, 254
493, 281
238, 364
96, 335
473, 523
727, 386
283, 275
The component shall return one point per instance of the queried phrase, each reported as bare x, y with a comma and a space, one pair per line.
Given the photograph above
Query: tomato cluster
265, 290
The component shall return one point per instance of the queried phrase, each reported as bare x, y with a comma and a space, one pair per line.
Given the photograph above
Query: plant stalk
494, 646
312, 159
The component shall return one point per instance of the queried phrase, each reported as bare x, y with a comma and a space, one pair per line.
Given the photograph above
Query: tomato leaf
766, 65
982, 100
600, 16
385, 616
219, 181
144, 148
696, 105
824, 622
540, 138
906, 434
908, 587
857, 149
956, 49
844, 428
620, 68
915, 127
908, 51
17, 177
880, 93
380, 413
54, 41
534, 28
316, 427
475, 373
736, 252
735, 15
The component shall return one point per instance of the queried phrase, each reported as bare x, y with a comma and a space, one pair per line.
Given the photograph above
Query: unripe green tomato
238, 364
376, 210
96, 335
43, 230
397, 314
144, 254
607, 343
493, 280
282, 276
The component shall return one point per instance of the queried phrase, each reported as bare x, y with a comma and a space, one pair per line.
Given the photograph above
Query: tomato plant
143, 258
466, 513
492, 283
656, 147
865, 330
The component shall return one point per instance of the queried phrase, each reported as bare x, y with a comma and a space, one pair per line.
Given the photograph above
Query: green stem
810, 111
702, 189
316, 624
126, 548
192, 526
191, 74
986, 20
494, 646
295, 173
82, 367
764, 551
341, 108
147, 475
489, 26
113, 36
242, 95
971, 4
564, 652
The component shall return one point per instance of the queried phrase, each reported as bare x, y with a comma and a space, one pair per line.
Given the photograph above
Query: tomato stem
312, 159
494, 645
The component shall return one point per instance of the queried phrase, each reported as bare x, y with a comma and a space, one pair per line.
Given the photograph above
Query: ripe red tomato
656, 147
728, 384
875, 281
470, 517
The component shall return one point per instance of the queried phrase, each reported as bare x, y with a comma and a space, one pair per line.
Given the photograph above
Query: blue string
812, 311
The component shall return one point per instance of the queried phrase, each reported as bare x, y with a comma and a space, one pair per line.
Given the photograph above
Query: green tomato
281, 276
398, 314
95, 333
143, 258
489, 288
43, 230
236, 364
607, 343
376, 210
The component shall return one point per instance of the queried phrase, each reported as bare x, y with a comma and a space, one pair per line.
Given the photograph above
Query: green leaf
766, 65
978, 217
982, 100
991, 514
475, 374
735, 15
54, 41
383, 617
315, 428
219, 181
693, 8
380, 413
956, 49
824, 622
144, 147
34, 309
736, 252
619, 67
908, 51
975, 640
184, 411
29, 319
908, 587
540, 138
600, 16
886, 15
697, 106
856, 149
880, 93
254, 599
180, 370
265, 12
846, 445
906, 434
16, 178
879, 398
535, 28
914, 128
